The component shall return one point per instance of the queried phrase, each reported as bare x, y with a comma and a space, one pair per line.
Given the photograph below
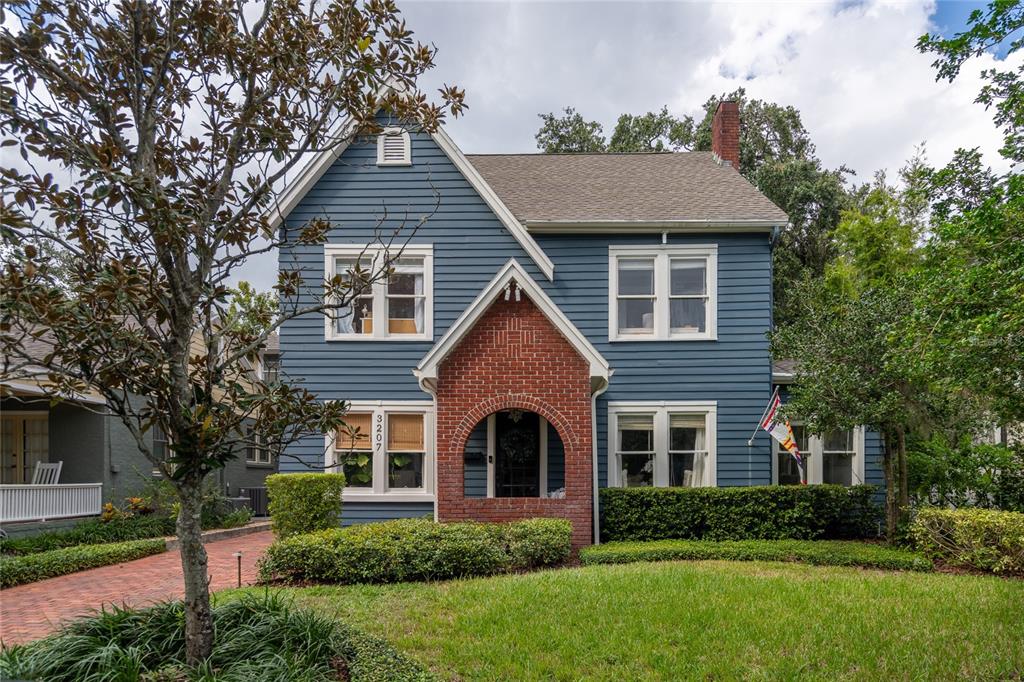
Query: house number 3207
378, 438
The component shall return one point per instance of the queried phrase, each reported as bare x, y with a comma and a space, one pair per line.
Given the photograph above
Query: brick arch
511, 401
514, 357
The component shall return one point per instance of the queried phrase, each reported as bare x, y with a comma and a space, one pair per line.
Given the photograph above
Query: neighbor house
559, 323
62, 461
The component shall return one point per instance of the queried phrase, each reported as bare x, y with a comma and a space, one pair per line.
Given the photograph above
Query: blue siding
734, 371
470, 246
469, 243
475, 471
556, 460
367, 512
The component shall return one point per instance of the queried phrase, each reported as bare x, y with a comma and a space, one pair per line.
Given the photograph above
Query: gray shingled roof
616, 187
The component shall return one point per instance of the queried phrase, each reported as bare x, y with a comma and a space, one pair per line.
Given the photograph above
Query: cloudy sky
866, 95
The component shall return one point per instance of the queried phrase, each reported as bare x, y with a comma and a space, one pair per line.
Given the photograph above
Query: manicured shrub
538, 542
259, 637
27, 568
416, 549
982, 539
92, 532
303, 503
818, 552
804, 512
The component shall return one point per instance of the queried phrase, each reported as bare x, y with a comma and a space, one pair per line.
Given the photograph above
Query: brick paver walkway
32, 611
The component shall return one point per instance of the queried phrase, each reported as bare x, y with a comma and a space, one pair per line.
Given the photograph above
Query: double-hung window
662, 444
385, 450
392, 306
834, 457
663, 292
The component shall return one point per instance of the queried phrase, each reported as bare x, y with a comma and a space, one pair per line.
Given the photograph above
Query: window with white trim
834, 457
394, 148
662, 444
386, 449
403, 301
662, 292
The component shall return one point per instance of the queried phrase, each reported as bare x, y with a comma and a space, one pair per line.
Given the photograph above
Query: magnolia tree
145, 143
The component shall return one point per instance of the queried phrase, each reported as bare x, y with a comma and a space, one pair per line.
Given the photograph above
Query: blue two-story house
554, 324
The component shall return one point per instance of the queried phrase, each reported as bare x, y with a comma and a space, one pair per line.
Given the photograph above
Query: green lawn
704, 620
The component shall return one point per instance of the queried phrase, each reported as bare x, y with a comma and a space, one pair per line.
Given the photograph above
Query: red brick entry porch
515, 358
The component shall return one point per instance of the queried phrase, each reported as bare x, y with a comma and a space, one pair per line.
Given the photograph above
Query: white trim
662, 255
542, 485
379, 492
379, 291
595, 507
491, 451
426, 370
815, 458
393, 131
685, 226
322, 160
496, 205
35, 390
661, 409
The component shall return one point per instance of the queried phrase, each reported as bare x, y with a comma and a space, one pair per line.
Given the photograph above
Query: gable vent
393, 148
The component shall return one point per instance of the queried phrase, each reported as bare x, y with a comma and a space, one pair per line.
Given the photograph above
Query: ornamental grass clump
258, 637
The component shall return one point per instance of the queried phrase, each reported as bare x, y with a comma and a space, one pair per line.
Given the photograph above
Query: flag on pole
781, 430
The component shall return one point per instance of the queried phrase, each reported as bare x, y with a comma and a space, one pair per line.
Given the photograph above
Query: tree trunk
889, 469
904, 477
198, 617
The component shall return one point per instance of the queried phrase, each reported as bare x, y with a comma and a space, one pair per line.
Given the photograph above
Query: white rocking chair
47, 473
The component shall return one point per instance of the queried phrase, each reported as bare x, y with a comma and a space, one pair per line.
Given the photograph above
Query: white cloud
866, 95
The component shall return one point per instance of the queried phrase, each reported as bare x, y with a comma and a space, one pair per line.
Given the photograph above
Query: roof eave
426, 371
634, 226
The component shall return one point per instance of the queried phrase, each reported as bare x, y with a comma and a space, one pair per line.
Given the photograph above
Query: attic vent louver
393, 148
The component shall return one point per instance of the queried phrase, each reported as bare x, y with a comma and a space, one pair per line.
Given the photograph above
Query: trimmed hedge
417, 549
806, 512
817, 552
983, 539
27, 568
304, 503
92, 532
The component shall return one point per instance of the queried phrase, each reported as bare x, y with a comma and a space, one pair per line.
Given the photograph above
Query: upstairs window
394, 148
402, 302
662, 293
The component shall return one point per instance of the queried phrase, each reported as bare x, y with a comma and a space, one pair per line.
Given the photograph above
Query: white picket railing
25, 502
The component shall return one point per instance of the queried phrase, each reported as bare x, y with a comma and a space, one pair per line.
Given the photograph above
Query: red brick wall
515, 358
725, 132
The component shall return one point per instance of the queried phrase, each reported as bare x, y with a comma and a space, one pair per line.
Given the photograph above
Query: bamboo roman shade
345, 440
405, 433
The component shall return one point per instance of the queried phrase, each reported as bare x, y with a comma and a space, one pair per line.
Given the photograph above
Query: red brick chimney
725, 132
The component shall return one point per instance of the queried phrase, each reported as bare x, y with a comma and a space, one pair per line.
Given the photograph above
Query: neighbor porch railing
26, 502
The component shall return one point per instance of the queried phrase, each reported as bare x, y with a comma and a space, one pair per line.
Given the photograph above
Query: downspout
593, 442
429, 388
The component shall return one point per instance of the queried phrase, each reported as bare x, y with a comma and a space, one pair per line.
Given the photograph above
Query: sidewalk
32, 611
